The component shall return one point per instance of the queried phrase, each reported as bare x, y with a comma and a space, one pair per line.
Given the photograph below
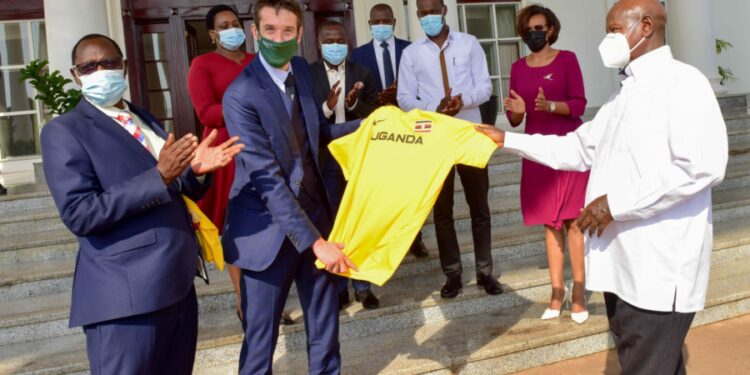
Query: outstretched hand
175, 156
595, 217
495, 134
208, 159
333, 96
515, 103
541, 103
353, 95
331, 255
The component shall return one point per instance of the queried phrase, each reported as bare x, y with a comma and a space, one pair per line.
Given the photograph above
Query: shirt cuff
326, 112
351, 109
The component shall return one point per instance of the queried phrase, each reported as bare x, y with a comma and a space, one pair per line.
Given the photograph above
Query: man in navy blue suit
117, 179
279, 210
382, 55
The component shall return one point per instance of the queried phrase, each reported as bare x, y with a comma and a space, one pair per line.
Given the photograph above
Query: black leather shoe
451, 288
418, 249
343, 299
4, 191
369, 301
490, 285
286, 319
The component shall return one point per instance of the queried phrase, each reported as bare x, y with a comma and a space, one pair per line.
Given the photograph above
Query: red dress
209, 77
548, 196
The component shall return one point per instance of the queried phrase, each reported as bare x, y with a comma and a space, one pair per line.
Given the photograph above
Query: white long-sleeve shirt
655, 149
420, 78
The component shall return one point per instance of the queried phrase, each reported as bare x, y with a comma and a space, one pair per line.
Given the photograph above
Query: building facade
160, 38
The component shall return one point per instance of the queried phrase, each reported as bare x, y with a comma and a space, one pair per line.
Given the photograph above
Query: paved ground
719, 348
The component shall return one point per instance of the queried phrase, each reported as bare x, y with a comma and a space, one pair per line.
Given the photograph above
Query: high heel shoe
579, 317
553, 314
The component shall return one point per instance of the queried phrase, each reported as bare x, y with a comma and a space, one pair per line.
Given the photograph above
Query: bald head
639, 19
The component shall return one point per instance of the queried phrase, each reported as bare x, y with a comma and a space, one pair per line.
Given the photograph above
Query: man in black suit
344, 91
382, 55
3, 190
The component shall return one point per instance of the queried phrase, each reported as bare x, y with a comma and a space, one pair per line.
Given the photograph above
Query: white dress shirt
655, 149
379, 57
420, 78
336, 75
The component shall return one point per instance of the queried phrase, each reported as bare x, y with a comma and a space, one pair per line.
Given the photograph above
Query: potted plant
50, 90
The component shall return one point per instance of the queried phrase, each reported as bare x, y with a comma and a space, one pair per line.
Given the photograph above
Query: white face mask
615, 49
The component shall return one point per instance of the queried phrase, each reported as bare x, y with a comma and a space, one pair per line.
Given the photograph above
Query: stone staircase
413, 332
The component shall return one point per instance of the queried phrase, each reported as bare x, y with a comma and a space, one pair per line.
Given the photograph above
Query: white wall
582, 29
66, 23
731, 25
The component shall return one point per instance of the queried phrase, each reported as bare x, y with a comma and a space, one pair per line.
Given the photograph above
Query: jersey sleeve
472, 147
346, 149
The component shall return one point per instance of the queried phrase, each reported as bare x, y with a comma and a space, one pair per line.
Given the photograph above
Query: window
494, 25
20, 114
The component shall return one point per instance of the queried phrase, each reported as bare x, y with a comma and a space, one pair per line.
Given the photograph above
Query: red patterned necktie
127, 122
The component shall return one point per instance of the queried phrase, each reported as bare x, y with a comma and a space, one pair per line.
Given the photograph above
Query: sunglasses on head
89, 67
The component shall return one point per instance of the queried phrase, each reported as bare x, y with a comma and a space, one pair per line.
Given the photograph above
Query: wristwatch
552, 107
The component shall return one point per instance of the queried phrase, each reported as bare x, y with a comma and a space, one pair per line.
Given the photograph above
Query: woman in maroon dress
210, 75
547, 89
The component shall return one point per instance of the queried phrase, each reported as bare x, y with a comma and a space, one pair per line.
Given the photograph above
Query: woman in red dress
210, 75
547, 91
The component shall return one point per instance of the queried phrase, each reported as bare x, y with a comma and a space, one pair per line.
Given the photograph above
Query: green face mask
277, 54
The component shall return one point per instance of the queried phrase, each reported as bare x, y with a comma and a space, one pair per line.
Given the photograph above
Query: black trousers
648, 342
476, 187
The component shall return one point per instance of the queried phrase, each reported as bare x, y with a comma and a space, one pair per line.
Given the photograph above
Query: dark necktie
289, 87
387, 66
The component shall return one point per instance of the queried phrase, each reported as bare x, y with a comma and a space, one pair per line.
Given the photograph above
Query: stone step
501, 336
59, 243
737, 122
728, 204
44, 245
33, 279
39, 277
29, 221
402, 299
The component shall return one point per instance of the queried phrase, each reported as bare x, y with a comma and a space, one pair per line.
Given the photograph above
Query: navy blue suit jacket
365, 55
263, 209
138, 252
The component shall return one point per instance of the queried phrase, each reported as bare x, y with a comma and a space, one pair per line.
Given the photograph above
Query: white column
692, 38
66, 22
415, 29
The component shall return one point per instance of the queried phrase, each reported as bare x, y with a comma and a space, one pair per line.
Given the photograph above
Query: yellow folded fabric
395, 165
207, 233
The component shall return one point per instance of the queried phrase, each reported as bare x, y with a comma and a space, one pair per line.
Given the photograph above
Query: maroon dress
547, 196
209, 77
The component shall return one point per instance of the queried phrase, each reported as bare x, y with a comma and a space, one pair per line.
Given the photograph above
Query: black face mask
536, 40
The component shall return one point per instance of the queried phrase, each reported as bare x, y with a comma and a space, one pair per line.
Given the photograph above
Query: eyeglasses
91, 66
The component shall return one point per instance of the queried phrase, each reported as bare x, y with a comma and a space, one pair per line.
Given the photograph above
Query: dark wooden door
161, 40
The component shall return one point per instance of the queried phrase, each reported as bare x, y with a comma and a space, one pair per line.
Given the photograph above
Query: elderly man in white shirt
654, 151
447, 72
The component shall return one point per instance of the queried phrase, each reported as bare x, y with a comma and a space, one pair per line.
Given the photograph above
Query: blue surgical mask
232, 39
334, 53
104, 87
432, 24
381, 33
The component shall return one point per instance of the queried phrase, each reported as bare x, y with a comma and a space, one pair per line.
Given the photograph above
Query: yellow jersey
395, 165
